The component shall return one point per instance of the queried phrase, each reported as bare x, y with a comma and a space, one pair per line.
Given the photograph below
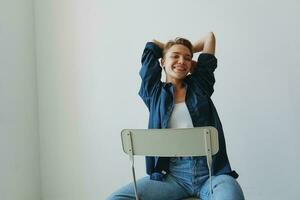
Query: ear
162, 62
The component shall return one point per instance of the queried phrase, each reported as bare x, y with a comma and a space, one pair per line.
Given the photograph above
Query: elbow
211, 36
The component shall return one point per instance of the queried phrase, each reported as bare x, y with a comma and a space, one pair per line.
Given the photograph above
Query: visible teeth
180, 68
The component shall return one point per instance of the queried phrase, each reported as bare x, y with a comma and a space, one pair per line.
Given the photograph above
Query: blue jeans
188, 177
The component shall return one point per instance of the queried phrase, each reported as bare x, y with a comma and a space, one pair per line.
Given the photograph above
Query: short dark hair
178, 40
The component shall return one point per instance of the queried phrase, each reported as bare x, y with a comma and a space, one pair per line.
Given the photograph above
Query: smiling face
177, 62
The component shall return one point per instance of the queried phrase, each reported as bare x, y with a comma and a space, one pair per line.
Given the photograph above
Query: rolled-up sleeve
204, 72
150, 71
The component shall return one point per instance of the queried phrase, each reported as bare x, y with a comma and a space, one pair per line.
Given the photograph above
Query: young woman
183, 101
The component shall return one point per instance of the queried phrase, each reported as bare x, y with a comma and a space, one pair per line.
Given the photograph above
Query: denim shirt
159, 99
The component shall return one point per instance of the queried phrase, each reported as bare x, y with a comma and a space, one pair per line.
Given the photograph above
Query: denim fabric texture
188, 177
173, 178
158, 97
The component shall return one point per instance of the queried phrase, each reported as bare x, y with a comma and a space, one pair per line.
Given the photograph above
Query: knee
121, 195
116, 196
124, 193
112, 197
226, 186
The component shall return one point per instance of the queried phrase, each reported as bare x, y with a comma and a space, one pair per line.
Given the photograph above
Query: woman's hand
158, 43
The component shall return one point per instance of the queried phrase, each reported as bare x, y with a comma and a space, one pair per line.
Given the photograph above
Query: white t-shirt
180, 117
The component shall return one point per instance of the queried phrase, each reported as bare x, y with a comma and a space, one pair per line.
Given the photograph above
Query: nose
181, 60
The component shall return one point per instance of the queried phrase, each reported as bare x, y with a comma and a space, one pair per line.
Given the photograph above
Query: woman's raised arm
205, 44
158, 43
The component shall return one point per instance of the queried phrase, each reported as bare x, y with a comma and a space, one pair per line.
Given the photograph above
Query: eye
174, 56
187, 58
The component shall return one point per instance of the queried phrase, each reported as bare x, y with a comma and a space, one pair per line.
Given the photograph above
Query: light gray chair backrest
201, 141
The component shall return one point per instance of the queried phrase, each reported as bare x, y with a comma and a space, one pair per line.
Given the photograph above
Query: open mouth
179, 68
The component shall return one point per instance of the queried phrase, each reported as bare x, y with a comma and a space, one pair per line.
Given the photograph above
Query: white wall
88, 58
19, 141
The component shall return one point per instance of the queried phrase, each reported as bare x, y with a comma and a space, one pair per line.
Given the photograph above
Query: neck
177, 83
179, 90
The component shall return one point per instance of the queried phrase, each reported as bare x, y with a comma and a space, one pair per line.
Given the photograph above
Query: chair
202, 141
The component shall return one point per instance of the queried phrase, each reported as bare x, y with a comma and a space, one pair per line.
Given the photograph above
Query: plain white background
19, 139
69, 83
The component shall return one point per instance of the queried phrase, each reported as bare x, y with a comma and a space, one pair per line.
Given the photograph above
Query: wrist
158, 43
